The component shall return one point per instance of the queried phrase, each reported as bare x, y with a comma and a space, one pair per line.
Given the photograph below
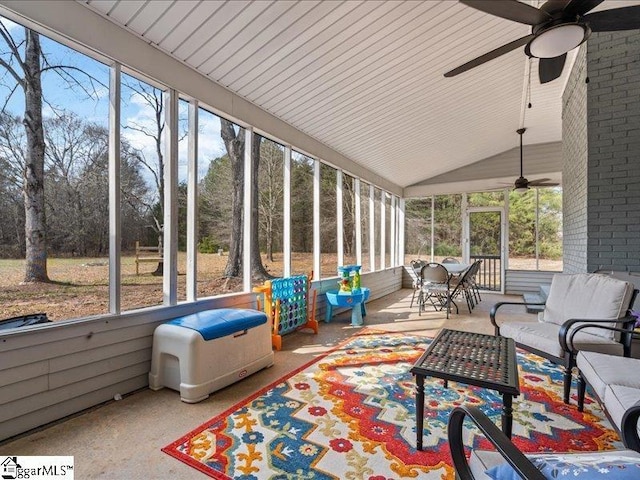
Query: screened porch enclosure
248, 139
514, 234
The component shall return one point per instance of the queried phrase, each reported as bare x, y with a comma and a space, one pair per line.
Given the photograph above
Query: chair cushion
619, 399
587, 295
544, 337
615, 465
601, 370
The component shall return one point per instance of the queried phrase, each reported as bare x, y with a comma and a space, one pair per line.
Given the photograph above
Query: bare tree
270, 195
153, 98
27, 72
24, 63
235, 144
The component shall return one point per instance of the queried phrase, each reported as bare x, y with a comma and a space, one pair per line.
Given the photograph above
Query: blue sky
59, 96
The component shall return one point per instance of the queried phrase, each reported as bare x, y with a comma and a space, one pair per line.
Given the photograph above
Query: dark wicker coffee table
485, 361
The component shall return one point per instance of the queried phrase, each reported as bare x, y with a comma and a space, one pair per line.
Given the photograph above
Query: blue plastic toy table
354, 301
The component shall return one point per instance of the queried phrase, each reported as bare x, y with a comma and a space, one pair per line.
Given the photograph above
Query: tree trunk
235, 150
258, 271
33, 189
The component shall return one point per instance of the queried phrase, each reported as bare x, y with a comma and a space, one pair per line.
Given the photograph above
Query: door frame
466, 240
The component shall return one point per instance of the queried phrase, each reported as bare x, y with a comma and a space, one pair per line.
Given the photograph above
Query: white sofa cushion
588, 296
618, 399
544, 337
601, 370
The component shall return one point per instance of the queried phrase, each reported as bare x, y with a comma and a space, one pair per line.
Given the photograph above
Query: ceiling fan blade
543, 182
511, 10
624, 18
554, 6
551, 68
489, 56
580, 7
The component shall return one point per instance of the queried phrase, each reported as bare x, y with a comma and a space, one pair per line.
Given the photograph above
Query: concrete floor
122, 439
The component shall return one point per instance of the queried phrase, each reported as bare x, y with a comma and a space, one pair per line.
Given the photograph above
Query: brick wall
574, 171
613, 112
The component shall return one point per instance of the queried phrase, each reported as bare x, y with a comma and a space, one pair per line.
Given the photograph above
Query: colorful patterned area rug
351, 415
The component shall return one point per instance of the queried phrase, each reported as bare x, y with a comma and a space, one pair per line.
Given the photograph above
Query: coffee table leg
507, 414
419, 410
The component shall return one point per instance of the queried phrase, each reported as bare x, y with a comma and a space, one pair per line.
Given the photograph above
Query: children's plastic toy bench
290, 305
203, 352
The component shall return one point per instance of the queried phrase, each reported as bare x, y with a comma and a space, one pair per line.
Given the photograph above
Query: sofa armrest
568, 331
508, 450
494, 311
630, 428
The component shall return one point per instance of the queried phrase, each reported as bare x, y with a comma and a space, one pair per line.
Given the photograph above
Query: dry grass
80, 286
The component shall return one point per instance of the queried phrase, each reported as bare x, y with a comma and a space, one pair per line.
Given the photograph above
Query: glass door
484, 241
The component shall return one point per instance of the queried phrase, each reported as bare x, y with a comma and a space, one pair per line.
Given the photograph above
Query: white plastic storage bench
203, 352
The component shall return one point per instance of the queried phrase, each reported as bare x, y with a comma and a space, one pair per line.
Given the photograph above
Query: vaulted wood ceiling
365, 78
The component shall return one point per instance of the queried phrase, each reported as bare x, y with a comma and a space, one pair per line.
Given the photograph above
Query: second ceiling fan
557, 27
522, 184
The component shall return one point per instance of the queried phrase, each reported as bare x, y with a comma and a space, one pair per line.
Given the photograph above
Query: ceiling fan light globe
521, 189
557, 40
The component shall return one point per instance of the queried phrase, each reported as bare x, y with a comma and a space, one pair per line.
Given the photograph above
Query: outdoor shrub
207, 245
446, 250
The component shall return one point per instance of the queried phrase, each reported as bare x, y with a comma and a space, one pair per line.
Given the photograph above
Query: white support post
286, 241
356, 188
394, 240
192, 204
316, 220
114, 190
433, 226
339, 218
246, 234
170, 224
383, 231
537, 228
504, 251
464, 219
372, 227
401, 226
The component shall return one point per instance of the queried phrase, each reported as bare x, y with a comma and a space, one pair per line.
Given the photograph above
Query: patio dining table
455, 268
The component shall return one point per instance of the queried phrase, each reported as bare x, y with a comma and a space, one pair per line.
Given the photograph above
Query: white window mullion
383, 231
339, 218
372, 227
192, 203
115, 234
170, 224
433, 226
358, 226
394, 240
246, 234
286, 241
401, 226
316, 220
537, 228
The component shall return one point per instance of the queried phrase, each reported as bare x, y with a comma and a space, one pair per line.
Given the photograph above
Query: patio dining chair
475, 268
508, 462
461, 287
416, 272
435, 288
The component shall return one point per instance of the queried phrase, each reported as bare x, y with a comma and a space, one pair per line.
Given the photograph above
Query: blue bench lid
221, 322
